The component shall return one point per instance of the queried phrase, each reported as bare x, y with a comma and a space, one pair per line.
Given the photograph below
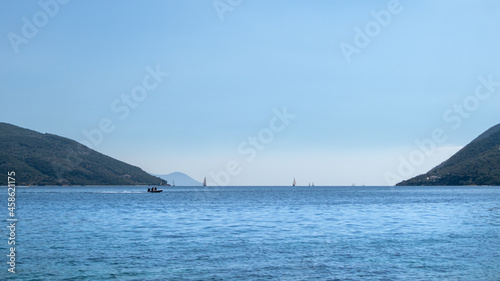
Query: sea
253, 233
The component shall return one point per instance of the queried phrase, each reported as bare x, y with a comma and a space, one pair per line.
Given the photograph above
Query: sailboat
294, 182
205, 181
173, 183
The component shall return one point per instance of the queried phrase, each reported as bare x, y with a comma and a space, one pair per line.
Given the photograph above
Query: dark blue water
256, 233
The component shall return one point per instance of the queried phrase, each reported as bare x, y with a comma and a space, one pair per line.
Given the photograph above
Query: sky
256, 92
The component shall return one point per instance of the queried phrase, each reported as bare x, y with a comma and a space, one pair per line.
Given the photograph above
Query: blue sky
356, 117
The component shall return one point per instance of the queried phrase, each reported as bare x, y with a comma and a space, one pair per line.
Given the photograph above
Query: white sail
294, 182
205, 181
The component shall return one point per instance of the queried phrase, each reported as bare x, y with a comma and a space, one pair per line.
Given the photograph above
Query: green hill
478, 163
46, 159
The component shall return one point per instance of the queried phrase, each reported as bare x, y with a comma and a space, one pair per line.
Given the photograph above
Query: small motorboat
153, 190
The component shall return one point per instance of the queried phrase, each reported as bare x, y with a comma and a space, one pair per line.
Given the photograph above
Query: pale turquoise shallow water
256, 233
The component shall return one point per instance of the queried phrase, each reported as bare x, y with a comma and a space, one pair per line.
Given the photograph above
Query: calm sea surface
255, 233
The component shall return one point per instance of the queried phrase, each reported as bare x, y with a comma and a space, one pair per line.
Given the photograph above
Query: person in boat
149, 190
156, 188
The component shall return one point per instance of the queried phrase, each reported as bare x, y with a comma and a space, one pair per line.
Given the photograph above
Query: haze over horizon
256, 93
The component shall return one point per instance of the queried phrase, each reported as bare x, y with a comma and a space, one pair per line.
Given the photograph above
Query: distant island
478, 163
179, 179
46, 159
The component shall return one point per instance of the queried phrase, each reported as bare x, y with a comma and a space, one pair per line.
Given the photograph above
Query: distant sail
205, 181
294, 182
